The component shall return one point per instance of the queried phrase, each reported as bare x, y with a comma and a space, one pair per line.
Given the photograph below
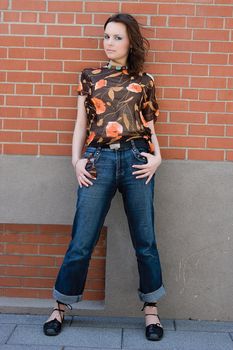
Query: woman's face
116, 43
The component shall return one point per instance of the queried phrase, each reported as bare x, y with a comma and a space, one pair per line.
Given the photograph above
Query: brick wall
43, 47
30, 256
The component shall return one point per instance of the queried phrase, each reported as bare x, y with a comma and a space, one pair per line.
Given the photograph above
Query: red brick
176, 9
38, 113
62, 54
221, 47
42, 42
220, 118
12, 41
3, 52
10, 281
208, 130
172, 33
214, 11
20, 124
65, 138
173, 153
68, 6
63, 30
194, 154
24, 89
4, 29
29, 77
189, 69
172, 81
187, 141
26, 53
55, 249
158, 21
207, 106
177, 21
43, 89
225, 95
21, 249
43, 137
47, 17
195, 22
64, 78
229, 156
13, 65
29, 17
45, 66
32, 29
11, 16
59, 150
80, 42
170, 93
208, 82
229, 130
111, 7
207, 94
10, 112
10, 259
86, 18
171, 129
28, 5
209, 34
220, 143
66, 18
209, 58
6, 88
221, 71
229, 107
191, 45
60, 90
23, 100
187, 117
10, 136
215, 22
20, 228
67, 113
57, 125
172, 105
53, 101
161, 45
190, 94
20, 149
4, 4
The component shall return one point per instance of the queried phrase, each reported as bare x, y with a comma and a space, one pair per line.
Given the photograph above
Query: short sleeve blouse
118, 105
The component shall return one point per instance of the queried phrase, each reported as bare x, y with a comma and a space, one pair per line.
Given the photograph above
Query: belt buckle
115, 146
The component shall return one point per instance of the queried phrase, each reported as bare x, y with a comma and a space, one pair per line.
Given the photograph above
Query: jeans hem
153, 296
66, 299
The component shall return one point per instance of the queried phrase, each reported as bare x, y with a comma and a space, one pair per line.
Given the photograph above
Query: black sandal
54, 326
153, 331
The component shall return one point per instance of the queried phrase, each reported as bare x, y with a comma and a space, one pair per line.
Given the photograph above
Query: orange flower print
99, 105
113, 129
134, 87
90, 137
124, 71
100, 83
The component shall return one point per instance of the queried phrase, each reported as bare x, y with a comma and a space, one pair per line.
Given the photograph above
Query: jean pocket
92, 158
137, 154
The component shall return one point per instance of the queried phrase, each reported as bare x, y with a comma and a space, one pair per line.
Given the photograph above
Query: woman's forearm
154, 139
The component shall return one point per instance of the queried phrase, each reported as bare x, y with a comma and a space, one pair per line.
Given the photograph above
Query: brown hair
139, 45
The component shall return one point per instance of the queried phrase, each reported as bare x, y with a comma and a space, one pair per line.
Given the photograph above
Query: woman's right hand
83, 176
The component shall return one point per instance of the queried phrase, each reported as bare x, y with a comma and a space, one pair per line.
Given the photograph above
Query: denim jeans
114, 172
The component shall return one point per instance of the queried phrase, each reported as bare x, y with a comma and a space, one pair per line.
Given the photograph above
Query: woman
117, 108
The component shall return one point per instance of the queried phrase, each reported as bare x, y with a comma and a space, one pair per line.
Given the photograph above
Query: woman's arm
79, 138
79, 134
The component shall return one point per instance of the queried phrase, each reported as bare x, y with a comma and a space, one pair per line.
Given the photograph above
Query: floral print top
118, 105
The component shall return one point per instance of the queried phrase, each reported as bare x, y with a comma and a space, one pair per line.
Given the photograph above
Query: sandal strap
148, 304
151, 315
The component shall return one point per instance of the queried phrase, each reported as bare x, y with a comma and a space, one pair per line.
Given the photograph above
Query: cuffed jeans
114, 171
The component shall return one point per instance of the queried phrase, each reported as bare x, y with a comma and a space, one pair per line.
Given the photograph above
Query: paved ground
24, 332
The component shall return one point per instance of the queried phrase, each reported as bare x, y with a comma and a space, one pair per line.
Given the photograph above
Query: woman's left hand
148, 169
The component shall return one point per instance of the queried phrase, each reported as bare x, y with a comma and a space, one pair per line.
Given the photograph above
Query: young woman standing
117, 109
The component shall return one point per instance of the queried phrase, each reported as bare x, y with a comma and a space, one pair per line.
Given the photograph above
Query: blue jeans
114, 171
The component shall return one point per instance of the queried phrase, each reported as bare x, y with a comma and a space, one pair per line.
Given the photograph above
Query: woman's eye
106, 36
119, 38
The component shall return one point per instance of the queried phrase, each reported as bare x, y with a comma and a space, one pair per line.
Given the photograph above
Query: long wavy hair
139, 45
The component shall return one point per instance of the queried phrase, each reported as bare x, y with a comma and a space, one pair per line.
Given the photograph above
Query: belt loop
98, 149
